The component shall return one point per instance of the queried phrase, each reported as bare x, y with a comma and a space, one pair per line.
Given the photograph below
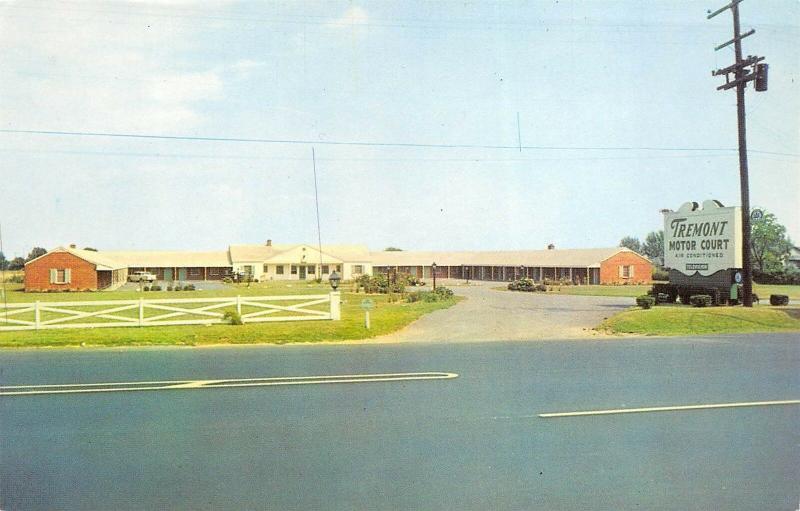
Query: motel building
616, 265
72, 269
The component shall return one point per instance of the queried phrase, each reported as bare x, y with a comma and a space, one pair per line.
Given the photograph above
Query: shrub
645, 301
146, 288
700, 300
189, 287
778, 300
178, 287
660, 274
227, 280
169, 287
444, 293
233, 318
523, 284
155, 288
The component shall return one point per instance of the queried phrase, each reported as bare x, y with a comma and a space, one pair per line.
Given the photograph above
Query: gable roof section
577, 257
102, 261
285, 253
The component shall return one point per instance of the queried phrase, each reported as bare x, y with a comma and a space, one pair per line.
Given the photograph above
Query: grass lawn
762, 290
685, 320
385, 318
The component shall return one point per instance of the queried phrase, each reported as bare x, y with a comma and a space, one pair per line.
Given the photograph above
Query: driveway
489, 314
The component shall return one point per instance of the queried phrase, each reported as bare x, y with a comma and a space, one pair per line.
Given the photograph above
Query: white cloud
88, 68
352, 17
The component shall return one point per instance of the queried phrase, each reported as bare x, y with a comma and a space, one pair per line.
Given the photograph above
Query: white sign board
703, 240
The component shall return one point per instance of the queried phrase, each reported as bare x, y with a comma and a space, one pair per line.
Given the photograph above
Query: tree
36, 252
392, 249
3, 262
653, 247
769, 244
17, 263
91, 249
631, 243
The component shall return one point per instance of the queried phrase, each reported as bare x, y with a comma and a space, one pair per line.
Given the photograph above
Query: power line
376, 144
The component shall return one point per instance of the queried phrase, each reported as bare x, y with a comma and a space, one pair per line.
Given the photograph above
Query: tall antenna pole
316, 200
742, 75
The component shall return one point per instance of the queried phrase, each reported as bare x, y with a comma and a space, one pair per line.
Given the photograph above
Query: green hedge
645, 301
700, 300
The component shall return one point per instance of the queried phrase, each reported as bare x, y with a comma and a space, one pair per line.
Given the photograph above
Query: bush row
156, 287
525, 284
786, 276
441, 293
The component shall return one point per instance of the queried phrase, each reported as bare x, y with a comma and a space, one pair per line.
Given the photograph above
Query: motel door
181, 273
302, 272
167, 274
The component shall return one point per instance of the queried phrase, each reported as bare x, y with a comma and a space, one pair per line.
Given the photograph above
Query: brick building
71, 269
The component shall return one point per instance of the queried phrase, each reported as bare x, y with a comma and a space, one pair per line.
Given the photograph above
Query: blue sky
593, 83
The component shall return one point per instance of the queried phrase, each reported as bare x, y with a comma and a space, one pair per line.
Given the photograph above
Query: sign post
367, 305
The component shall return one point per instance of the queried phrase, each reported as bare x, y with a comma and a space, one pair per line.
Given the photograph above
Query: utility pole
743, 70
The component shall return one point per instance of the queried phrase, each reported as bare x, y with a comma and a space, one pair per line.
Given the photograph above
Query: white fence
167, 311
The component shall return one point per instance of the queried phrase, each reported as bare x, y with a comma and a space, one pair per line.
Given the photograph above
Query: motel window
59, 276
312, 270
325, 269
358, 269
338, 267
626, 272
266, 268
294, 270
279, 269
213, 271
195, 272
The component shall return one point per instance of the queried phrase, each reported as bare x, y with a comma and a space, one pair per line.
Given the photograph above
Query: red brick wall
37, 273
642, 269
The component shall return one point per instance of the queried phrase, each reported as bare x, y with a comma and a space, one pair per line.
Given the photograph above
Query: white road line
82, 388
669, 408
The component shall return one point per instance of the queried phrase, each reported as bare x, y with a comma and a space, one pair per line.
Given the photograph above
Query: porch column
570, 274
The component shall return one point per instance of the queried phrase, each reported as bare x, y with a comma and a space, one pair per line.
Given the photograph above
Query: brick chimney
551, 247
73, 245
269, 243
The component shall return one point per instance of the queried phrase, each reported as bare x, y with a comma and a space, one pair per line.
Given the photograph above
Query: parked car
141, 276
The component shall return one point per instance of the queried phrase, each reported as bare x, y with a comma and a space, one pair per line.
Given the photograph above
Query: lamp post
334, 280
433, 270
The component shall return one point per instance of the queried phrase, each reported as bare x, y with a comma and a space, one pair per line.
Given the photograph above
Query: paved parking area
490, 314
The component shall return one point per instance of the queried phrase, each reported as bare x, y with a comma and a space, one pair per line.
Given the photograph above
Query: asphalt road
472, 442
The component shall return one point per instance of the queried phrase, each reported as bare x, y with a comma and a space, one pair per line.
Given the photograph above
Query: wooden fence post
336, 308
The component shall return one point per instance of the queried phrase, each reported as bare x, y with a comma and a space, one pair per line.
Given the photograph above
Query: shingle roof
249, 253
101, 261
167, 259
577, 257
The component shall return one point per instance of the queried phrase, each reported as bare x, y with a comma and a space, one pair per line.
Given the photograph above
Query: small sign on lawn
367, 305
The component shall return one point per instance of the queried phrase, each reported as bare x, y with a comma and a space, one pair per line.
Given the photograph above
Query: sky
434, 125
